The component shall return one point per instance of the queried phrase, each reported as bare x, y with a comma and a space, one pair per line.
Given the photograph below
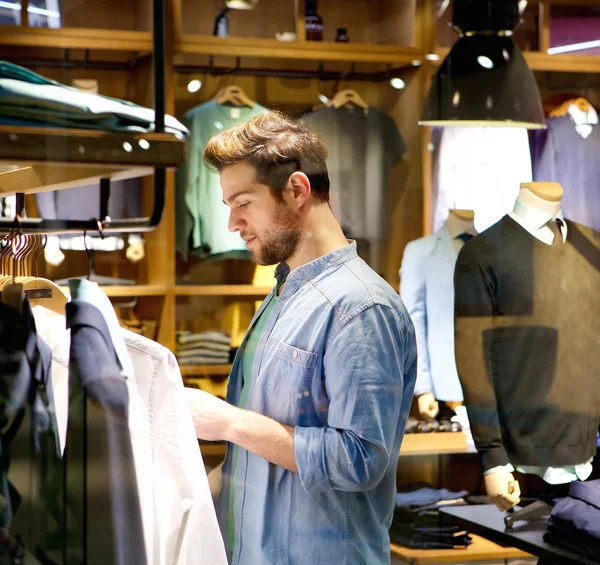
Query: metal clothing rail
320, 73
104, 224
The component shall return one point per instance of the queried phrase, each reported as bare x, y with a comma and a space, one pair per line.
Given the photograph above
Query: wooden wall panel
106, 14
268, 18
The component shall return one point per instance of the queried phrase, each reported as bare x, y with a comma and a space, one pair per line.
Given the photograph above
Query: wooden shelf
563, 63
429, 444
538, 61
212, 449
39, 155
447, 443
129, 290
480, 550
191, 371
222, 290
396, 55
76, 38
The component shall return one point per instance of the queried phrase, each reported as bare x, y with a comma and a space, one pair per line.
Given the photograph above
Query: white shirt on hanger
178, 514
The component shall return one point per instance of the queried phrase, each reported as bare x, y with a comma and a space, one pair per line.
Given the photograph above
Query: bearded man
321, 387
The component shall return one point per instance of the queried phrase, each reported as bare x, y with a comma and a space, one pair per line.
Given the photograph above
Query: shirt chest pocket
290, 374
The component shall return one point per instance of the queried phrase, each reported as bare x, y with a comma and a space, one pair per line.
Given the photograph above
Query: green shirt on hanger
201, 217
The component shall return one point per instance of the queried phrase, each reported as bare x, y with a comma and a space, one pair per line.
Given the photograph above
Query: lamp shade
484, 81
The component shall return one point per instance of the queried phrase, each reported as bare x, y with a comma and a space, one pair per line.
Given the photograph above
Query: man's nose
234, 221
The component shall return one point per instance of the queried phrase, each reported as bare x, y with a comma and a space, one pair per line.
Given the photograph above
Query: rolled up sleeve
364, 377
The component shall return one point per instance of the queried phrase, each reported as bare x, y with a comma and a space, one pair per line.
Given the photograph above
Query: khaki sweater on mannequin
527, 344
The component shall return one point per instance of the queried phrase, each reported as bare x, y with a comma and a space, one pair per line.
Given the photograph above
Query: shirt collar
535, 217
296, 278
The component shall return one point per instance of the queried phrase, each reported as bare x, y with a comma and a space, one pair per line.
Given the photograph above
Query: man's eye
245, 205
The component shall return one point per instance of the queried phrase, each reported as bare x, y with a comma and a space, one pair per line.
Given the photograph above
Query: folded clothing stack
575, 520
414, 426
418, 524
29, 99
204, 348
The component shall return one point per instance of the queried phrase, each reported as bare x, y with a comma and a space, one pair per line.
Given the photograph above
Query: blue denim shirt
337, 360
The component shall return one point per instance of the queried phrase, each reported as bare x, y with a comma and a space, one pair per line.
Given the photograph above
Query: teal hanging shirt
201, 216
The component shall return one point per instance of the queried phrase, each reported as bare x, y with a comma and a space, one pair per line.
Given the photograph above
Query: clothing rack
27, 144
320, 73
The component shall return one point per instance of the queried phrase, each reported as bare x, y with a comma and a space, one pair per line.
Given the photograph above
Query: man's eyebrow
234, 196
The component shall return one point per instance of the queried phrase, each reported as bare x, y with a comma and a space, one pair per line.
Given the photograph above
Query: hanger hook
16, 233
87, 254
100, 228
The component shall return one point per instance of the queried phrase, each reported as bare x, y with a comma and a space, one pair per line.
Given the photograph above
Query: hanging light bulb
241, 4
397, 83
194, 85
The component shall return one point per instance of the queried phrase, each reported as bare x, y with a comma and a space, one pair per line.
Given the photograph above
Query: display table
488, 522
480, 550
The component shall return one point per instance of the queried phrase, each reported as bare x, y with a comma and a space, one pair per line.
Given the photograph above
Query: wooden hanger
346, 97
559, 104
23, 265
234, 95
562, 110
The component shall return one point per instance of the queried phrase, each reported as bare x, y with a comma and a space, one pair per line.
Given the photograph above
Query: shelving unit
321, 51
130, 291
222, 290
191, 372
413, 445
480, 550
76, 38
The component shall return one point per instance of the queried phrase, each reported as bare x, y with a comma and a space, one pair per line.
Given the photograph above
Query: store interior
366, 59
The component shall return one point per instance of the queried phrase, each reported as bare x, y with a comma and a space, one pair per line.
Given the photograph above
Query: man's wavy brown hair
276, 146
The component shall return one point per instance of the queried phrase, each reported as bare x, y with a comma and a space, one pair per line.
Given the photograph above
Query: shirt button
295, 354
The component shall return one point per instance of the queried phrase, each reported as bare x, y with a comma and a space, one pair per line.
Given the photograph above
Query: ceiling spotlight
397, 83
144, 144
323, 99
127, 146
194, 85
484, 80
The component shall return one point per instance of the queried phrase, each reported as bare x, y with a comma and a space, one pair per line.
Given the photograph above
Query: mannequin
501, 485
515, 321
426, 289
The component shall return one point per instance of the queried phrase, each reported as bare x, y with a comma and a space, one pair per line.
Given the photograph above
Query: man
320, 390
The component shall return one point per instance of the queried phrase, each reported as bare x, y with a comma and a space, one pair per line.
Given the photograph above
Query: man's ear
299, 187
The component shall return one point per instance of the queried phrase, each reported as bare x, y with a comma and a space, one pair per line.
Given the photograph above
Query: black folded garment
426, 529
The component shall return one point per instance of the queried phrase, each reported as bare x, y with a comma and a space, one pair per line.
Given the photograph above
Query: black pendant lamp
484, 80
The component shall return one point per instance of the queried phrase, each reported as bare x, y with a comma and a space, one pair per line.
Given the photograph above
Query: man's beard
282, 242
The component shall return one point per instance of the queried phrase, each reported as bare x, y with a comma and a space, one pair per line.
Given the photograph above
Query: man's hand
213, 417
217, 420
